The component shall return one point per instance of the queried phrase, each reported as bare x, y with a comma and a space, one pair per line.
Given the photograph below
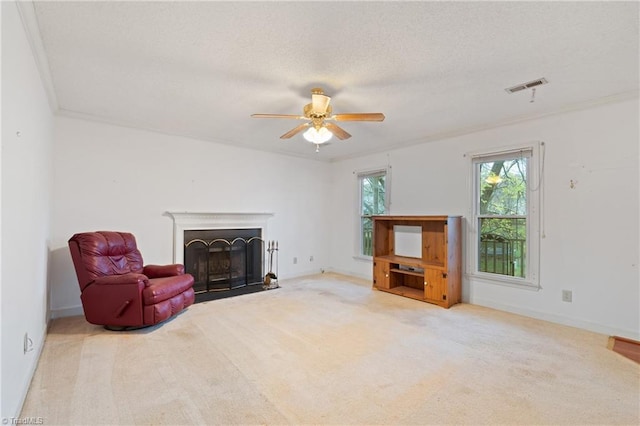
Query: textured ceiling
200, 69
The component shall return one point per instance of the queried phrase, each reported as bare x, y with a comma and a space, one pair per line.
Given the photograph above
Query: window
504, 240
373, 201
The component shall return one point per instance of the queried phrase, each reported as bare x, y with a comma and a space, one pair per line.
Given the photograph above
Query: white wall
591, 243
26, 210
116, 178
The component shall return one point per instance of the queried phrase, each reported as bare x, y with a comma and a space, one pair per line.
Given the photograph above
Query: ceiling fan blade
320, 103
298, 117
295, 131
338, 131
366, 116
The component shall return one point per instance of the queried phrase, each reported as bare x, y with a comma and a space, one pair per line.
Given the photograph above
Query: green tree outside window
502, 216
372, 202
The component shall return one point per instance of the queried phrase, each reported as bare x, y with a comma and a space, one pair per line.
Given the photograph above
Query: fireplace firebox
224, 262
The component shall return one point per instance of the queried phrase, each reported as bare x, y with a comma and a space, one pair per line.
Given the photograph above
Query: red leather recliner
117, 290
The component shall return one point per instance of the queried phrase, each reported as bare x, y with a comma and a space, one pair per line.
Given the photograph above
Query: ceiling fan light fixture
317, 136
320, 126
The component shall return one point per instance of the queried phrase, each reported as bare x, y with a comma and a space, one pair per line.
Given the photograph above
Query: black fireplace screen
224, 259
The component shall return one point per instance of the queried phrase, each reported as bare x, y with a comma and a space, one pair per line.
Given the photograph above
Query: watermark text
23, 420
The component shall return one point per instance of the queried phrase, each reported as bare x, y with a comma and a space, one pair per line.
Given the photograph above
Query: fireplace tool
271, 279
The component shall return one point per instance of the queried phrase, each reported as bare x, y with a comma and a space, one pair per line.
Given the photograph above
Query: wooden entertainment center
434, 272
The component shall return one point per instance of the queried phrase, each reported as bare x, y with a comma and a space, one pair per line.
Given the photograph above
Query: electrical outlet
27, 344
295, 260
310, 258
567, 295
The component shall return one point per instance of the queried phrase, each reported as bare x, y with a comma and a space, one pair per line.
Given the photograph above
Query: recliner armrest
160, 271
126, 279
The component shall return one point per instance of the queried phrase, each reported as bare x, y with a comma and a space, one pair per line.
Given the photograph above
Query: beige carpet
329, 350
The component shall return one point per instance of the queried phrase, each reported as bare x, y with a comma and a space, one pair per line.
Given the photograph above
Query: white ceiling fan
320, 126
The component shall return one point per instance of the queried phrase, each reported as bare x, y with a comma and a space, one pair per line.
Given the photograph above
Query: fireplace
225, 252
224, 259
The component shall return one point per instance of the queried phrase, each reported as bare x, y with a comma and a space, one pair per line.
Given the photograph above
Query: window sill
363, 258
504, 281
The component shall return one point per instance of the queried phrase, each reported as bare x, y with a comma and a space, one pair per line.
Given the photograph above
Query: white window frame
386, 171
535, 169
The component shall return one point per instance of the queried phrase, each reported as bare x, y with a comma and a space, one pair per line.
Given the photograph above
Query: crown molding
119, 123
27, 13
580, 106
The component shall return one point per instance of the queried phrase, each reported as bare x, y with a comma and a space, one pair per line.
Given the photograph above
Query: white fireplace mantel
183, 221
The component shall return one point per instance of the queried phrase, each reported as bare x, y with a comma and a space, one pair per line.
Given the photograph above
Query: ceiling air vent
528, 85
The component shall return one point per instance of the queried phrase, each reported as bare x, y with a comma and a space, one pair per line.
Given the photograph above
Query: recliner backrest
96, 254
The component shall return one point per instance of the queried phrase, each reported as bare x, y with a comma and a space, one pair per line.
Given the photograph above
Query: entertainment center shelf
406, 272
418, 257
410, 261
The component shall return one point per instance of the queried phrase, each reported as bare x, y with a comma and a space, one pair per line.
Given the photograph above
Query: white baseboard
351, 274
544, 316
559, 319
73, 311
300, 274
